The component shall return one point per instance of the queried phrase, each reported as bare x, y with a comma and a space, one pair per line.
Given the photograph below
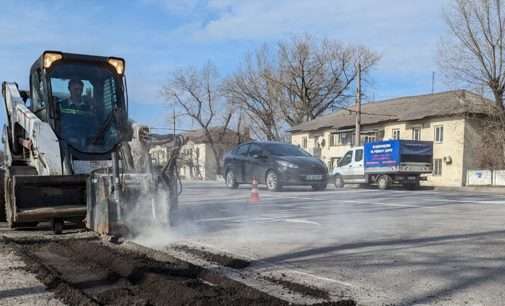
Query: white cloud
406, 33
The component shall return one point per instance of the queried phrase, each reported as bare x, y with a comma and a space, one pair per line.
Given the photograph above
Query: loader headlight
285, 164
117, 63
50, 58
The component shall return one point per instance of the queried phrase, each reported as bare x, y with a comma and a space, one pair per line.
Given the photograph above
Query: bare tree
473, 53
253, 88
301, 80
198, 93
317, 75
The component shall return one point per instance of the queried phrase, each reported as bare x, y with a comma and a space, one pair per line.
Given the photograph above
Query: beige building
197, 159
450, 119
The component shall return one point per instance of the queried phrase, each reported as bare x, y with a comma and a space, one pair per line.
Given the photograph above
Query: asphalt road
400, 247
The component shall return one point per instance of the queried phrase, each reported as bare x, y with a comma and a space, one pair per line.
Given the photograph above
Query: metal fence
485, 178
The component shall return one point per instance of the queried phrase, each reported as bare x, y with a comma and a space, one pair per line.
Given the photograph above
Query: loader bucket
46, 198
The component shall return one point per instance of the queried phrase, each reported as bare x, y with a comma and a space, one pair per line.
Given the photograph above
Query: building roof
229, 137
410, 108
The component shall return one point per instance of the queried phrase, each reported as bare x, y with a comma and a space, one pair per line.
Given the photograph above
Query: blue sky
158, 36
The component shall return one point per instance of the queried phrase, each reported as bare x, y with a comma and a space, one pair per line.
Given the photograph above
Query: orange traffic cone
255, 195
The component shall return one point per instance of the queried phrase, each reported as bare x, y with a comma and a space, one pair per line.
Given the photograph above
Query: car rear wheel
339, 182
272, 181
231, 182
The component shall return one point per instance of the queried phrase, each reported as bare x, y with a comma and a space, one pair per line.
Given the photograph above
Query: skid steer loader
72, 154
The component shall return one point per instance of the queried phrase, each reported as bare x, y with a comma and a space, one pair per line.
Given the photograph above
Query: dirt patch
310, 291
92, 272
220, 259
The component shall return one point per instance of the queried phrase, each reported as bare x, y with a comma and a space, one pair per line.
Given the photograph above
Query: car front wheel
231, 182
272, 181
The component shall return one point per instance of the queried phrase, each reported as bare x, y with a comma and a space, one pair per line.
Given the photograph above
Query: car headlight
286, 164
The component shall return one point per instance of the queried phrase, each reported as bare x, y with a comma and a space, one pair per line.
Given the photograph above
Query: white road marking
322, 278
469, 201
242, 219
353, 202
301, 221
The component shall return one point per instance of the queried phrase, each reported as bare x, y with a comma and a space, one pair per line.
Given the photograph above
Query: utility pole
433, 83
357, 141
173, 118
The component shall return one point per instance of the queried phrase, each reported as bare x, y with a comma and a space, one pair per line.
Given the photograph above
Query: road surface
404, 247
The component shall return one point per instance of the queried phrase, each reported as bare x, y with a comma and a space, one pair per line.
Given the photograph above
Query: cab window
346, 159
358, 155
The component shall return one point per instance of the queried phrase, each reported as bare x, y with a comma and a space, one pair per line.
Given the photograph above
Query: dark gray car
275, 165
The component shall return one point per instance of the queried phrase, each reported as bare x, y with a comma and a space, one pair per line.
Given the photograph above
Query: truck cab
350, 168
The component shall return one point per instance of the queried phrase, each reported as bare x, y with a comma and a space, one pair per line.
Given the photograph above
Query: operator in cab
75, 103
77, 112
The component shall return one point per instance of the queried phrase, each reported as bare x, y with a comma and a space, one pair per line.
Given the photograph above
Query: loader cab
90, 122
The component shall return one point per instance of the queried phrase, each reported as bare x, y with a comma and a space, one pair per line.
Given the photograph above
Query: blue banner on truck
410, 147
382, 154
390, 153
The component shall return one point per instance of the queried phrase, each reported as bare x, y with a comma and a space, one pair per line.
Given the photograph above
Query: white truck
385, 163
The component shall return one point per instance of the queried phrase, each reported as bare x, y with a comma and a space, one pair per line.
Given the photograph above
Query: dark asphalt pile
93, 272
221, 259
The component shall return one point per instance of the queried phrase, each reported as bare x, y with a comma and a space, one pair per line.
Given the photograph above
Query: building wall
193, 161
203, 163
473, 144
452, 147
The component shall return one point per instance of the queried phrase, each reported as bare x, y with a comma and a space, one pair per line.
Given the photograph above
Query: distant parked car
275, 165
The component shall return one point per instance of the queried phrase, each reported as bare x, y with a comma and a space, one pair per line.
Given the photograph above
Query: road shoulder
17, 285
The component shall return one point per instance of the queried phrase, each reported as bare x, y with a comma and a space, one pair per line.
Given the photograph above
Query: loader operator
77, 117
75, 101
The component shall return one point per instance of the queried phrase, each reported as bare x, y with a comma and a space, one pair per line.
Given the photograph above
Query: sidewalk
483, 189
18, 286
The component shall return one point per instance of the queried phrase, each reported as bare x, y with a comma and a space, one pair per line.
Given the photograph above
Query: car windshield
279, 149
85, 97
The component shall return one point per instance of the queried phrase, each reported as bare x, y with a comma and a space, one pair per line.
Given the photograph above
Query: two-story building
452, 120
196, 158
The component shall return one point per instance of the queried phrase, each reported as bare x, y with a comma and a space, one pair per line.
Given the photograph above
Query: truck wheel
384, 181
339, 182
272, 181
230, 180
57, 225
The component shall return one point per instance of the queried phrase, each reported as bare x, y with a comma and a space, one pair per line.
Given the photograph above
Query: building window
369, 138
345, 138
437, 167
439, 134
304, 142
334, 140
396, 133
416, 134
